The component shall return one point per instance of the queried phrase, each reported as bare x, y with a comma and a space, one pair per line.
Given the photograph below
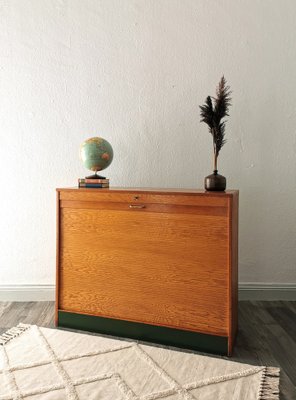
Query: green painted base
150, 333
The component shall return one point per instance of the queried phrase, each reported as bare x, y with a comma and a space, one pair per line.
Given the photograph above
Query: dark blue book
94, 185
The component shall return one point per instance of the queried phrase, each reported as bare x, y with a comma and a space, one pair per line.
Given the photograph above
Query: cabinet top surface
175, 191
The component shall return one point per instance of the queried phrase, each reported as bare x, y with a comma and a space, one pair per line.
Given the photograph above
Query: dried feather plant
212, 113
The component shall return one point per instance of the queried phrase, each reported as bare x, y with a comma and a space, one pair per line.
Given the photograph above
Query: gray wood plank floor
267, 333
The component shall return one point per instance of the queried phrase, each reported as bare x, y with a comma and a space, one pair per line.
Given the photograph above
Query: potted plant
212, 113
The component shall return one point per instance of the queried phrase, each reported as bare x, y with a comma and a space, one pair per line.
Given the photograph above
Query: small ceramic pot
215, 182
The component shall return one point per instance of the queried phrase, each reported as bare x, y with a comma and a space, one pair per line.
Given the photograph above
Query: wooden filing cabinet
150, 264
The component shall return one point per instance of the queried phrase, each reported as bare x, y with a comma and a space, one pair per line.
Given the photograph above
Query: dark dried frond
220, 136
222, 101
207, 112
212, 115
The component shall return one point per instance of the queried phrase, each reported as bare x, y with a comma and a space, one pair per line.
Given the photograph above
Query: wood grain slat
138, 269
147, 207
170, 191
113, 196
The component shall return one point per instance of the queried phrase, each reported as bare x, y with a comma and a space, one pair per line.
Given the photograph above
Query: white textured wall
134, 72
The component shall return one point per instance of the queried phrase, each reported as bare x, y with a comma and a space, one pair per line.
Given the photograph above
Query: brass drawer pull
137, 206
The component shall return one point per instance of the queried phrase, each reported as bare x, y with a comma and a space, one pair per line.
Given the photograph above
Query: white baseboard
267, 291
27, 292
247, 291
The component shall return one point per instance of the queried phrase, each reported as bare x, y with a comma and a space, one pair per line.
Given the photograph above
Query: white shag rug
51, 364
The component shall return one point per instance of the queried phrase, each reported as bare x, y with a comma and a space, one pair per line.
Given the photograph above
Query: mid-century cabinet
150, 264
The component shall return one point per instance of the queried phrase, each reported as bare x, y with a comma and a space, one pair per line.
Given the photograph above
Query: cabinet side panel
233, 211
166, 269
57, 256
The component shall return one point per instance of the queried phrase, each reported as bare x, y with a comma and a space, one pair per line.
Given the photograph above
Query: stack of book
93, 183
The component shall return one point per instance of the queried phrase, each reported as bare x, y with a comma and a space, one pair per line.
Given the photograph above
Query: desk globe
96, 154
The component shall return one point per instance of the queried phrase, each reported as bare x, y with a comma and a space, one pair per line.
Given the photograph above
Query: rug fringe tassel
12, 333
269, 388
